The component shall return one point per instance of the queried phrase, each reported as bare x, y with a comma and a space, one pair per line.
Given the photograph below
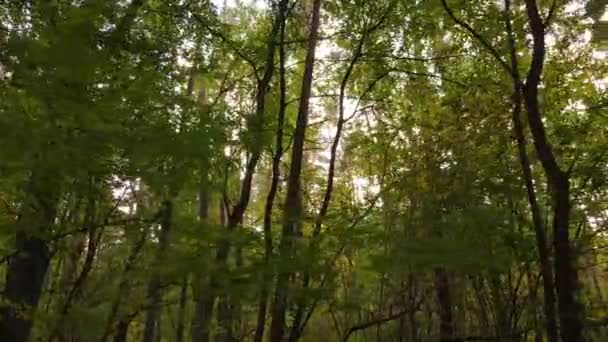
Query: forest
303, 170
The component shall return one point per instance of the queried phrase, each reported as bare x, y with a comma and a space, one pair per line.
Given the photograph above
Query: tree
414, 154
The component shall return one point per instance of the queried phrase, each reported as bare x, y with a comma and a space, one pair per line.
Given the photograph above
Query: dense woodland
303, 170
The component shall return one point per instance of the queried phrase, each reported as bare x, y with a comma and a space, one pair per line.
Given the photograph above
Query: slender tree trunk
155, 286
207, 298
412, 322
122, 331
299, 317
225, 319
181, 312
566, 277
229, 306
93, 238
539, 229
75, 247
202, 319
501, 328
444, 298
203, 309
125, 282
159, 330
236, 306
274, 185
262, 308
293, 205
27, 267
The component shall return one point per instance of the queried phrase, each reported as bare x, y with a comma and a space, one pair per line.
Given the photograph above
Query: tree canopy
303, 170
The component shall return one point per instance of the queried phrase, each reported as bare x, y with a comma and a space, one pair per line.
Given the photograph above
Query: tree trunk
28, 266
155, 286
159, 330
93, 238
125, 282
202, 318
24, 279
122, 331
225, 319
539, 229
75, 247
501, 307
274, 185
299, 320
566, 276
229, 305
293, 205
207, 298
181, 312
444, 298
203, 309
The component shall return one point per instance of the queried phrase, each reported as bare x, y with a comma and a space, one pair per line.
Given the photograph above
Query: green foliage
112, 109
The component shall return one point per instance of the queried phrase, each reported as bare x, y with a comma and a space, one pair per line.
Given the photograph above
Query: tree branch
551, 13
478, 36
226, 41
378, 321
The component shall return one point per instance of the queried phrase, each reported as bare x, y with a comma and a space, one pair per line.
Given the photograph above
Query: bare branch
374, 322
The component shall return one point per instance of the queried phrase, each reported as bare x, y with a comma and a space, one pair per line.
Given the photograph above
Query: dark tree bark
122, 331
566, 277
27, 267
539, 229
293, 205
24, 280
444, 298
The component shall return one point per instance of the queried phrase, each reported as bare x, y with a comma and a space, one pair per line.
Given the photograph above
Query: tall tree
566, 277
146, 145
293, 201
539, 229
237, 212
